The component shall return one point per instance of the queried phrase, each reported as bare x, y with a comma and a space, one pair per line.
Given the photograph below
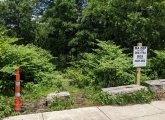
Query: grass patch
33, 98
139, 97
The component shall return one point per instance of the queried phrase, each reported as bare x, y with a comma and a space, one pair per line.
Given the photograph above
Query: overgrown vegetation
141, 96
106, 66
61, 104
158, 64
87, 41
35, 64
5, 106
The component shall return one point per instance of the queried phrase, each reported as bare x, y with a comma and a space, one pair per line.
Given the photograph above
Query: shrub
6, 106
80, 80
61, 104
141, 96
106, 66
158, 64
34, 64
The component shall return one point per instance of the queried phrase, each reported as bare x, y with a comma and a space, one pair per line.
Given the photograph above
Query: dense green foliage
61, 104
5, 106
16, 16
106, 66
158, 64
70, 31
63, 27
35, 64
58, 26
125, 22
141, 96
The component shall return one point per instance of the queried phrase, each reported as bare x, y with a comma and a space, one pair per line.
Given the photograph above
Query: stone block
62, 95
123, 89
156, 85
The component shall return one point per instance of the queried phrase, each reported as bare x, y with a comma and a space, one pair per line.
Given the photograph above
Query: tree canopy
68, 28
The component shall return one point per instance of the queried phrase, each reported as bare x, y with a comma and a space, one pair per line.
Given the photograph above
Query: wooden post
138, 70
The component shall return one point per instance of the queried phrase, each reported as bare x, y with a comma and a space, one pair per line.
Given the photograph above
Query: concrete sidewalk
153, 111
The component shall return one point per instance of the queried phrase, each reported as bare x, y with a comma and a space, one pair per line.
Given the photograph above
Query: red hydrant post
17, 91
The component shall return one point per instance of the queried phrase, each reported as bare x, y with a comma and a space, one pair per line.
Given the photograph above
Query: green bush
106, 66
158, 64
6, 106
141, 96
61, 104
80, 80
34, 62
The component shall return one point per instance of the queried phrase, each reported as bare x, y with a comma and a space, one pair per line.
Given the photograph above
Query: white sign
140, 56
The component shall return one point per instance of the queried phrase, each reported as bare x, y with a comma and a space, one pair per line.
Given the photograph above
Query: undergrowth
88, 96
141, 96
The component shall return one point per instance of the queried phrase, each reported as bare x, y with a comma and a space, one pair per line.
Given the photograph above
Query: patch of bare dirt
160, 95
79, 100
38, 106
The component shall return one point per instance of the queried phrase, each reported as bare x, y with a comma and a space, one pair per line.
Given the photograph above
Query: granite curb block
123, 89
156, 85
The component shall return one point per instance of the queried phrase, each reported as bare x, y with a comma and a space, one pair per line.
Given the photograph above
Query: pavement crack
42, 116
103, 113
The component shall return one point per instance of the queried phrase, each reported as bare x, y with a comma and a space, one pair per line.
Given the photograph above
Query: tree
125, 22
3, 31
57, 26
81, 4
40, 7
16, 16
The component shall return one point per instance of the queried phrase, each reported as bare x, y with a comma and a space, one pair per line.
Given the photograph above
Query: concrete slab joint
88, 113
